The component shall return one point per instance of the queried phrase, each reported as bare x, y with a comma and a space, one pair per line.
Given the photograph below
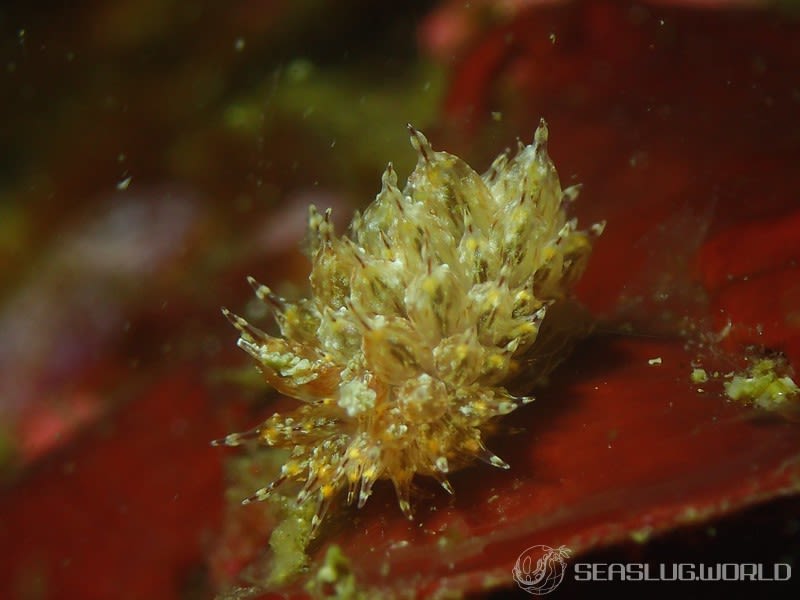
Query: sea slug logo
540, 569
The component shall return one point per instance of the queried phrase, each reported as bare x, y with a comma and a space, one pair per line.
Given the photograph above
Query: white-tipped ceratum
416, 318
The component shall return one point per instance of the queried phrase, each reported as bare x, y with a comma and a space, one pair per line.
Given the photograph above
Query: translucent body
416, 319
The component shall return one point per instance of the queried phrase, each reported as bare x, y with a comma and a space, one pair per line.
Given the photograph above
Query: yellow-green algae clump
762, 386
417, 319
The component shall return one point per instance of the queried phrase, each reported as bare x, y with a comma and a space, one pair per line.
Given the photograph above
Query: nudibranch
416, 319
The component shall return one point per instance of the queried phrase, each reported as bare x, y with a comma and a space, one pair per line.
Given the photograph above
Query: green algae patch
287, 524
641, 536
289, 539
335, 578
763, 386
699, 376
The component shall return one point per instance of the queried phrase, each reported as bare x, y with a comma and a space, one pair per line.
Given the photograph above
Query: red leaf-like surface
681, 124
126, 510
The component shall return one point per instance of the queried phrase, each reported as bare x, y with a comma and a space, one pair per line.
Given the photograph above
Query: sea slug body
416, 319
